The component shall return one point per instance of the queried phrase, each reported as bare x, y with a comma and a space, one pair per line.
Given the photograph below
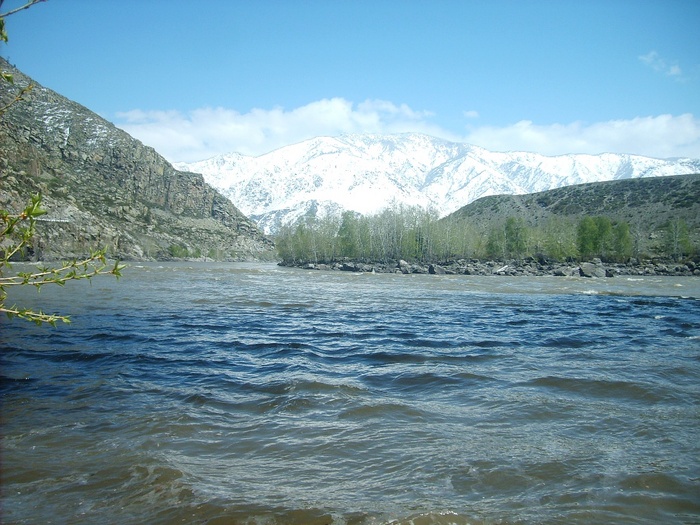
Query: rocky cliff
102, 187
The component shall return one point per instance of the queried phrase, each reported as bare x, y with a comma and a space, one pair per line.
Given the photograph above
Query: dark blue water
223, 393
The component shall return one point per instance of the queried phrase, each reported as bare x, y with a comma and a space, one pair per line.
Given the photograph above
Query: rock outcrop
103, 188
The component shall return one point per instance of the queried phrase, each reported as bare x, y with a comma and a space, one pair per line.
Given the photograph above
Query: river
249, 393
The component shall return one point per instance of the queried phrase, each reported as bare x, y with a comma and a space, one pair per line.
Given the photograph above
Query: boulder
417, 268
591, 270
435, 269
563, 271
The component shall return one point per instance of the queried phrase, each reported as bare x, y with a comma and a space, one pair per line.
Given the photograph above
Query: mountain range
367, 173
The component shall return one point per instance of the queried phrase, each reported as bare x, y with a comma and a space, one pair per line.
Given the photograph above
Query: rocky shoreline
525, 267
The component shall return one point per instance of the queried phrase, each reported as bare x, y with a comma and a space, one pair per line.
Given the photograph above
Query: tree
496, 243
508, 240
515, 234
623, 244
559, 238
677, 239
17, 231
586, 236
593, 236
605, 236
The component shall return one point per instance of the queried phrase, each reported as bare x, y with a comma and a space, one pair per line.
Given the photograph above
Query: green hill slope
648, 205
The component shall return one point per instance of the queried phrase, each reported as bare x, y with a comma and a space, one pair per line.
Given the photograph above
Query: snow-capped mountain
366, 173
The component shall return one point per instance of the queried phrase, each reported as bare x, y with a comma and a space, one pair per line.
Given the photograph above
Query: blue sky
196, 79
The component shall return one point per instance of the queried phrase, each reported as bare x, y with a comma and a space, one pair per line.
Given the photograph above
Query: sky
198, 79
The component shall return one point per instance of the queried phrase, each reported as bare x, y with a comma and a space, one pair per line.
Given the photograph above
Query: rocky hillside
647, 205
102, 187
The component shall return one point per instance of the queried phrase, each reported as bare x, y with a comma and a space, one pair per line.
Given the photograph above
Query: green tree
559, 238
284, 244
591, 236
515, 237
496, 243
327, 235
459, 239
587, 238
348, 235
413, 233
677, 239
623, 243
605, 236
508, 240
302, 240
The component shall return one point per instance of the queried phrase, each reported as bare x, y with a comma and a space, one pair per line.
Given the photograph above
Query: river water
249, 393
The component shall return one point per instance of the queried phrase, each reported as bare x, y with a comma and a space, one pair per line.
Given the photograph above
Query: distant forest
418, 235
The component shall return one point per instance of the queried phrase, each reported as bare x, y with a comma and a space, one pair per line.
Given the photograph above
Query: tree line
416, 234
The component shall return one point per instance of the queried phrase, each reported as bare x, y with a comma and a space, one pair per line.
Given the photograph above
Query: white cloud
660, 136
660, 65
206, 132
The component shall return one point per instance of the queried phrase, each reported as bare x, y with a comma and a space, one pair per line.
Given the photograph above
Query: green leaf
3, 34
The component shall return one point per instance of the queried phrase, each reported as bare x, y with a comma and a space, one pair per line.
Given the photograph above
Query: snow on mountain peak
366, 173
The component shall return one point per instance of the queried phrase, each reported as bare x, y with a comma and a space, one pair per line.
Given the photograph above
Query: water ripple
270, 395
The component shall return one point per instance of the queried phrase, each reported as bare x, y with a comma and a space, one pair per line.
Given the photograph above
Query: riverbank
525, 267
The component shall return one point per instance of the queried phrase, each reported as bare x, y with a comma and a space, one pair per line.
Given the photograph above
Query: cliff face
102, 187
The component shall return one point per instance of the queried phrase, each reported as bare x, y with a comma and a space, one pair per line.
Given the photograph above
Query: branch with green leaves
16, 231
7, 77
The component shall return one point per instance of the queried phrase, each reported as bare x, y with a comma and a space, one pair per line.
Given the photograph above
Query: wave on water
276, 396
